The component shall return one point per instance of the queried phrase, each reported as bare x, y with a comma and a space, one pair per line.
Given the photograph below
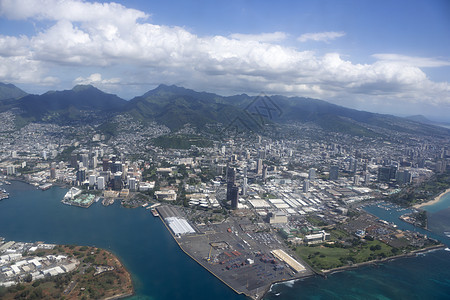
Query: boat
145, 205
45, 186
447, 249
155, 212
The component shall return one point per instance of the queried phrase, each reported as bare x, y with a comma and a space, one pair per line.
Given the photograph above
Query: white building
101, 183
92, 180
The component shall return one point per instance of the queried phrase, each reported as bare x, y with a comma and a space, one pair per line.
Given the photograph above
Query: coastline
375, 262
433, 201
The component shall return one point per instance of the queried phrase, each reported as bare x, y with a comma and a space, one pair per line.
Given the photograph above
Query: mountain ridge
176, 106
10, 91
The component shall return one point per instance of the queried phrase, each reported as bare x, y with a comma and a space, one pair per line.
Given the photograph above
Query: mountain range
175, 107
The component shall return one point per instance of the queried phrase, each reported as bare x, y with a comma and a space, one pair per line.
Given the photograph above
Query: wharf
241, 260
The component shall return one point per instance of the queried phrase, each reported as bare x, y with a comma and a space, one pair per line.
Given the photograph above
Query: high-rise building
10, 170
259, 166
106, 164
356, 180
403, 177
52, 173
353, 165
81, 175
231, 179
85, 159
132, 184
264, 173
312, 174
367, 179
244, 187
117, 167
74, 160
385, 174
101, 183
118, 180
93, 162
334, 173
92, 180
234, 194
306, 186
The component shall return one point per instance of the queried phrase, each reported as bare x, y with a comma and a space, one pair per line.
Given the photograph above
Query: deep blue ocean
161, 270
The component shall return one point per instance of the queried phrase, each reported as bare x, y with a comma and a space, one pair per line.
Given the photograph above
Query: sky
380, 56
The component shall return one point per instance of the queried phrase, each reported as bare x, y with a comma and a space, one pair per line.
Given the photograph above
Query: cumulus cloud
20, 69
320, 36
70, 10
110, 36
421, 62
262, 37
96, 79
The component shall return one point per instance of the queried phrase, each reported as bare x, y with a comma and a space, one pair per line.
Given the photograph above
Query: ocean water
425, 276
439, 215
161, 270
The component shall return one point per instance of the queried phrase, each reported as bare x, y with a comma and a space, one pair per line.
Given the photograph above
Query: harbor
246, 261
76, 197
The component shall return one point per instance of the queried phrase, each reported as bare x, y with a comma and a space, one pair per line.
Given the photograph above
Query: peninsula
48, 271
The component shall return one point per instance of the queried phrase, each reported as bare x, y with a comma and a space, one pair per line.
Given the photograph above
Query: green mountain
70, 105
10, 91
175, 106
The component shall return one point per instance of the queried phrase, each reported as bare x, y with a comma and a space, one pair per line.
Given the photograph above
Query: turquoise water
162, 271
444, 203
426, 276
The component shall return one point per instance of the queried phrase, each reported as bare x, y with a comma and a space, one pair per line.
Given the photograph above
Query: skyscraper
101, 183
306, 186
259, 166
231, 178
232, 189
334, 172
244, 187
234, 197
312, 174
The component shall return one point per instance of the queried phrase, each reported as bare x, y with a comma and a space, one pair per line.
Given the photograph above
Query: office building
334, 173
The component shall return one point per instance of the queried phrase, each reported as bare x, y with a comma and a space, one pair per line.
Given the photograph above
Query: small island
47, 271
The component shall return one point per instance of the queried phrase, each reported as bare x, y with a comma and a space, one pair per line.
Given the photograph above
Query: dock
240, 260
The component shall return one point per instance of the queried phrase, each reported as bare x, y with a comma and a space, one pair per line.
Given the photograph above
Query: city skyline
384, 57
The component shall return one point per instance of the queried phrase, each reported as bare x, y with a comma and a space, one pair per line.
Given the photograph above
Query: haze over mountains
176, 106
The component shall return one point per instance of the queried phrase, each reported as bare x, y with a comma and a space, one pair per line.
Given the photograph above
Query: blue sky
381, 56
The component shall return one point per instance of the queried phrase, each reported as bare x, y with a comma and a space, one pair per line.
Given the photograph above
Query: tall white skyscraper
101, 183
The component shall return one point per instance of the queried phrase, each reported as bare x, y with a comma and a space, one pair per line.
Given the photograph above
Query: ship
154, 212
3, 194
45, 186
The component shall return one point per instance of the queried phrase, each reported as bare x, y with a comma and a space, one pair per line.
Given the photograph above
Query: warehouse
179, 226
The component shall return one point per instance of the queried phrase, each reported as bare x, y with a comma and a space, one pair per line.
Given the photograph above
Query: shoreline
387, 259
433, 201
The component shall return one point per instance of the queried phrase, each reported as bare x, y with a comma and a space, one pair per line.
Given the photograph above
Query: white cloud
70, 10
321, 36
112, 37
96, 79
262, 37
421, 62
20, 69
